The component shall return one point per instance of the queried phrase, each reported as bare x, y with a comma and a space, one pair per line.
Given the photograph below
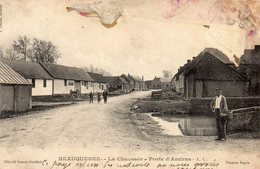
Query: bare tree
36, 51
167, 74
11, 54
43, 51
22, 47
94, 69
1, 52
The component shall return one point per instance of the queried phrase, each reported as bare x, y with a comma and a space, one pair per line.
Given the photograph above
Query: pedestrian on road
91, 97
99, 97
105, 96
219, 106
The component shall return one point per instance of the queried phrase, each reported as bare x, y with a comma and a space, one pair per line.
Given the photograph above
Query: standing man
105, 96
99, 97
91, 97
219, 106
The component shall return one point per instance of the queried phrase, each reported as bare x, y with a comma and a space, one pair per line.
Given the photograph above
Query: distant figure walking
91, 97
105, 96
219, 106
99, 97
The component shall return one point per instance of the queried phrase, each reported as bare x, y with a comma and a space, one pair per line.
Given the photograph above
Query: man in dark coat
219, 106
99, 97
91, 97
105, 96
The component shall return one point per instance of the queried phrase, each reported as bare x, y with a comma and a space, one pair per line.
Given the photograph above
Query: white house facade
67, 79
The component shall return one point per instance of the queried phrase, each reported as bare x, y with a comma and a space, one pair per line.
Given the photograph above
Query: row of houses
212, 69
20, 81
52, 79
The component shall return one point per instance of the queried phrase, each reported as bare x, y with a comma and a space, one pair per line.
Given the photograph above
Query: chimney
193, 57
142, 78
188, 61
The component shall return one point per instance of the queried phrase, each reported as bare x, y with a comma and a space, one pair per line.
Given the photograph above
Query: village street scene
129, 84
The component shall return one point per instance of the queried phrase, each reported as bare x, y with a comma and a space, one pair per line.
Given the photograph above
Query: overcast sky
143, 42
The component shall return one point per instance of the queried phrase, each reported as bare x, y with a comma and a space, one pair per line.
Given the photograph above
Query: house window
100, 86
82, 83
87, 85
71, 83
65, 82
44, 83
33, 83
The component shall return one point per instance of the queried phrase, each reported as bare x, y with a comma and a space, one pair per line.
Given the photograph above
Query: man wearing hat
219, 106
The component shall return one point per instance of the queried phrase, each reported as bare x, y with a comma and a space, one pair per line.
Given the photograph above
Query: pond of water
187, 125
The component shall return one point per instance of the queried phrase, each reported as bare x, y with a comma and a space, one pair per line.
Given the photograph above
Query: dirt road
105, 128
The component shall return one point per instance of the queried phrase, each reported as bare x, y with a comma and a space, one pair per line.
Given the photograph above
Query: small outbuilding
15, 90
41, 81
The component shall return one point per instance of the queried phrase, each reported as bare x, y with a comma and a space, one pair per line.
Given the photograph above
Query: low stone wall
246, 119
202, 105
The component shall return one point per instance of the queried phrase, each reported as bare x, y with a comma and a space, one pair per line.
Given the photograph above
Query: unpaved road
108, 127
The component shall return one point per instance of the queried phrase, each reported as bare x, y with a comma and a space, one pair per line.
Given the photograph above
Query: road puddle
169, 128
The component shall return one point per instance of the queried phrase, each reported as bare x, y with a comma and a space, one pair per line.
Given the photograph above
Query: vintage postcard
156, 84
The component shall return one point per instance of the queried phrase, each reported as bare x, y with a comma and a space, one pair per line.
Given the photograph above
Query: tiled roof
29, 70
66, 72
218, 54
115, 80
135, 78
162, 80
129, 80
9, 76
212, 52
97, 77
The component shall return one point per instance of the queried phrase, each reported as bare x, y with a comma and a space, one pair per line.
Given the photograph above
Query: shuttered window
44, 83
33, 83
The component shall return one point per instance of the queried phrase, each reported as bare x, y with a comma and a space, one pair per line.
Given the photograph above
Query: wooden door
199, 88
78, 86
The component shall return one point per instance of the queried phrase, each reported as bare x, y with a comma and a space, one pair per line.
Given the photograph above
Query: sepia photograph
155, 84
